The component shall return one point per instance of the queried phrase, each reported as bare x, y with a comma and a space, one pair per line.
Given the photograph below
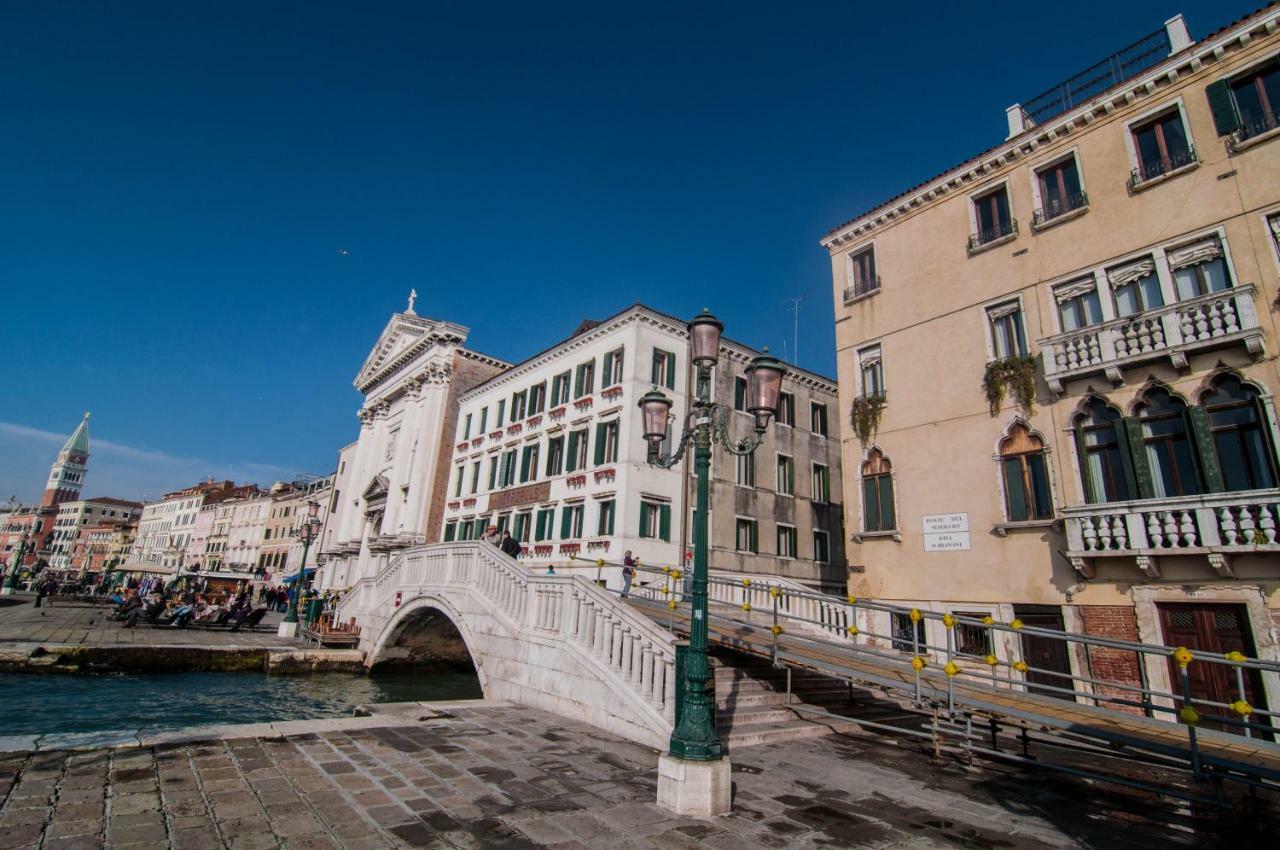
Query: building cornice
1207, 53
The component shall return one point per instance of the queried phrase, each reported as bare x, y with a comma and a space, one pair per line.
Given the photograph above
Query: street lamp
11, 582
306, 533
694, 776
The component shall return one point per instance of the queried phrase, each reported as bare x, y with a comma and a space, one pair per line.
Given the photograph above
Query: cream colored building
1126, 243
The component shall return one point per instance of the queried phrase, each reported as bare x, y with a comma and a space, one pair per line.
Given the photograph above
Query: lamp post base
694, 788
287, 630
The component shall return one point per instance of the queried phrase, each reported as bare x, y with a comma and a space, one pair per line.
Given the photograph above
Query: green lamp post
11, 581
683, 786
307, 534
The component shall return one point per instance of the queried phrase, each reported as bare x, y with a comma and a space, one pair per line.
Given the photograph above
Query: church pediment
377, 489
404, 338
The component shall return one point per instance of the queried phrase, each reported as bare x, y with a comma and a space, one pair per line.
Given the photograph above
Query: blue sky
180, 181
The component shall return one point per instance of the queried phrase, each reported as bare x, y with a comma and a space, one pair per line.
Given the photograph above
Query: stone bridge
555, 642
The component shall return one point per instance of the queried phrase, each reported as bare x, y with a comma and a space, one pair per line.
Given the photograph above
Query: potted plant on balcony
1015, 375
864, 415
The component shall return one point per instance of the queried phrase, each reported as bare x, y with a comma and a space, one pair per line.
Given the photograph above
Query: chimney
1179, 35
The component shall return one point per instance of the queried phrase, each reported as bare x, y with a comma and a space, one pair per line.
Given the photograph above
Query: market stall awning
309, 572
145, 567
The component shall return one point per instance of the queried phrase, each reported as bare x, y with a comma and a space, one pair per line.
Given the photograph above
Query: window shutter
1223, 107
481, 524
600, 431
870, 505
739, 394
449, 531
571, 462
888, 520
566, 514
1206, 454
1015, 490
577, 382
644, 519
755, 536
671, 370
1138, 458
524, 466
664, 522
1264, 424
607, 379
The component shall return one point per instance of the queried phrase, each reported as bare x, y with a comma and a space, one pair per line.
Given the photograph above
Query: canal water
33, 703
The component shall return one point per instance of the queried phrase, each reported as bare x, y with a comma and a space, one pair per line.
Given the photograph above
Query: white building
73, 516
166, 527
384, 497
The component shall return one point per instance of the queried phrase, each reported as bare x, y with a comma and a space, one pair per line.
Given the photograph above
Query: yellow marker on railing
746, 582
951, 669
988, 620
666, 570
1020, 666
777, 630
1189, 715
915, 615
665, 591
948, 620
1242, 708
677, 575
775, 591
853, 600
746, 606
853, 630
1235, 656
599, 562
671, 604
992, 660
1183, 656
1015, 623
918, 663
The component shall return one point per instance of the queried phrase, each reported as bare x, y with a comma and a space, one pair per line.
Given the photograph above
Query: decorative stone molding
611, 393
583, 403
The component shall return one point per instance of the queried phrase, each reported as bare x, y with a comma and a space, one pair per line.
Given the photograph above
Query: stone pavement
78, 624
497, 775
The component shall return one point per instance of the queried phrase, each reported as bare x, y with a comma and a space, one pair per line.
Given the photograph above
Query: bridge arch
428, 628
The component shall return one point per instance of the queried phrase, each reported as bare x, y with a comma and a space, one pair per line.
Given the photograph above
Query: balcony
1216, 320
1056, 211
1214, 526
1253, 131
1003, 232
861, 288
1168, 166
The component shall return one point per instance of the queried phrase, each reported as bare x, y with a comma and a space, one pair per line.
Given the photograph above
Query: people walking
628, 573
492, 537
510, 545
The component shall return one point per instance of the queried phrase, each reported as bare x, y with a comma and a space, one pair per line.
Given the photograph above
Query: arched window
877, 493
1167, 446
1101, 443
1240, 438
1026, 476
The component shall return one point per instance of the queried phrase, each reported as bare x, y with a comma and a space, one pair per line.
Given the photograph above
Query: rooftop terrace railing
1119, 66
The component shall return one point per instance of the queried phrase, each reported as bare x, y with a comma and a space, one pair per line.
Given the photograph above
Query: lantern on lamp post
694, 776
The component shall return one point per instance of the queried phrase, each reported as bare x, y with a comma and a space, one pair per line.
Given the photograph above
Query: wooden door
1219, 629
1048, 655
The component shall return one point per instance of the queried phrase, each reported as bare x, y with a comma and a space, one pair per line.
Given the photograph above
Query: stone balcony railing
1214, 526
1208, 321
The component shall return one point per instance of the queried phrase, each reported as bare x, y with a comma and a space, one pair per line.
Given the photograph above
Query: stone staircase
752, 707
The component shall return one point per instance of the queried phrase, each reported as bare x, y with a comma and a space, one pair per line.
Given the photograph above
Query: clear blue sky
179, 180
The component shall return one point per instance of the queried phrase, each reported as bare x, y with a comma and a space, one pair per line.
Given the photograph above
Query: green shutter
524, 466
1202, 443
564, 522
739, 394
577, 382
480, 526
607, 378
664, 523
612, 509
671, 370
870, 505
755, 536
571, 461
1014, 490
1223, 107
885, 487
644, 519
450, 531
1145, 487
1082, 460
600, 441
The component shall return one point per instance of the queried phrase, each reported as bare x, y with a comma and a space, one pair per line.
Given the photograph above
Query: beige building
1060, 356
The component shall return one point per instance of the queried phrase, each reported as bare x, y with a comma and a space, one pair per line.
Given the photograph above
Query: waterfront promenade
474, 774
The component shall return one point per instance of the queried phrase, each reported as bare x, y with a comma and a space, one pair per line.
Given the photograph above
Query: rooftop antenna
795, 347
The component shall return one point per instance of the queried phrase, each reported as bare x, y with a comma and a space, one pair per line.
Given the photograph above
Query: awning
144, 567
310, 571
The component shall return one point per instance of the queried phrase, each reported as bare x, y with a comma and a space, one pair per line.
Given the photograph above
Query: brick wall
467, 373
1113, 665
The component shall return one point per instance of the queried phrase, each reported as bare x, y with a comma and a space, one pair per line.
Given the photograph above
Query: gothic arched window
1101, 443
1167, 445
1240, 436
1025, 475
877, 493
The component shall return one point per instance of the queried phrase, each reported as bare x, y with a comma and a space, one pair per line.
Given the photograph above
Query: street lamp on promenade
11, 581
306, 533
694, 776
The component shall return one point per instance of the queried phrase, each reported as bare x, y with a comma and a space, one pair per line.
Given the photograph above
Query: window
818, 418
786, 409
655, 520
457, 484
475, 477
1161, 146
555, 456
747, 535
584, 379
604, 525
502, 410
1078, 304
1025, 476
739, 393
450, 532
1135, 287
1007, 336
991, 214
871, 371
611, 369
786, 477
484, 421
606, 442
560, 388
1060, 189
821, 547
507, 475
518, 401
786, 541
663, 373
907, 636
537, 398
821, 483
504, 522
576, 455
972, 640
1240, 441
466, 428
1102, 445
1167, 448
571, 522
877, 493
862, 274
546, 519
529, 463
747, 470
1248, 105
1199, 268
493, 471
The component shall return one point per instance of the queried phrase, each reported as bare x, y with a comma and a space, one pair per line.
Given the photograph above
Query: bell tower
66, 476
